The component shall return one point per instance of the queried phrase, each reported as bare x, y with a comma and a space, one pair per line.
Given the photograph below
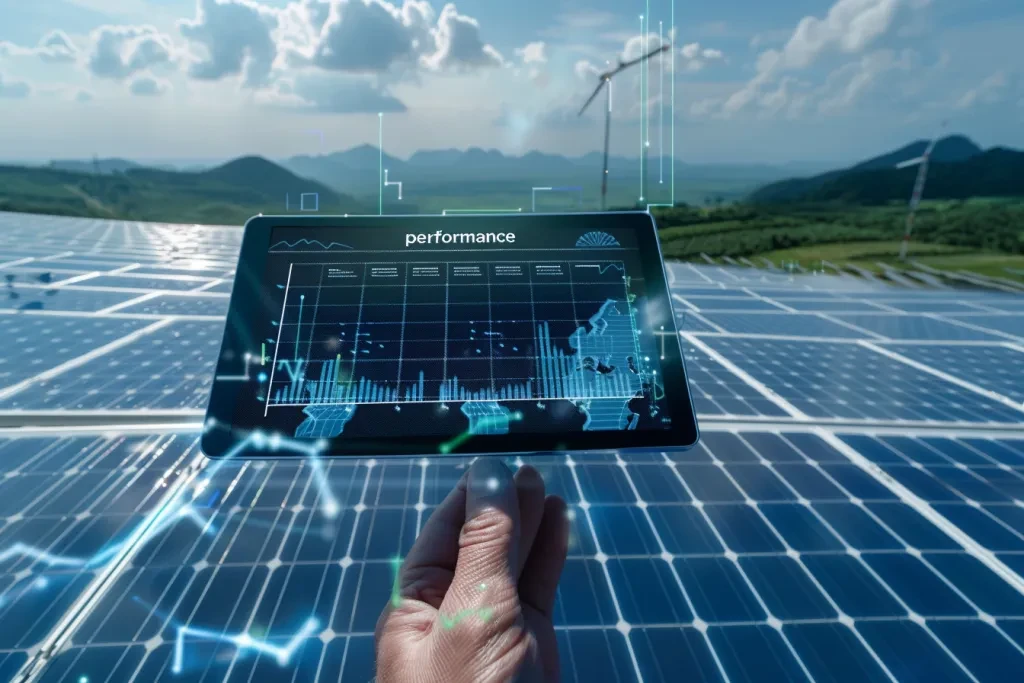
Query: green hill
228, 194
998, 172
953, 150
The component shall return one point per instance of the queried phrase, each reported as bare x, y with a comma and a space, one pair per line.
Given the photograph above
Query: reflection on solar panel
854, 512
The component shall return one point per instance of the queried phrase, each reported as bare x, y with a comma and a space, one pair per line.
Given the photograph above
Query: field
980, 235
869, 255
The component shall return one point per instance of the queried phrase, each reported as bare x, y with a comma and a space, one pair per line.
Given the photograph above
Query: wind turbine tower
915, 198
605, 81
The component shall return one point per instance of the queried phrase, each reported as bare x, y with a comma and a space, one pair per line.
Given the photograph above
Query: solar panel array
854, 512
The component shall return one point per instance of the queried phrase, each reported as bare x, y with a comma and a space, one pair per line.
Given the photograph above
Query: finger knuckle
490, 526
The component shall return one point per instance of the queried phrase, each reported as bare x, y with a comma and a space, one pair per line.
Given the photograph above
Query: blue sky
755, 81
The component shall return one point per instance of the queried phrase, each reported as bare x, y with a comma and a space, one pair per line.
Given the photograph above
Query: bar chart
457, 332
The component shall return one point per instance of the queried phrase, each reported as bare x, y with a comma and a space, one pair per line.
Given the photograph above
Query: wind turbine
605, 79
915, 199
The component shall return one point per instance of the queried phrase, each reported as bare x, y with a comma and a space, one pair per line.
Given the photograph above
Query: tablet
437, 335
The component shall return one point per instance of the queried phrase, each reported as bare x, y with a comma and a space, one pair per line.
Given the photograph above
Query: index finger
429, 567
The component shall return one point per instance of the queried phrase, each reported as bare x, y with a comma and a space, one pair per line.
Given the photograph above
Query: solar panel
167, 367
853, 512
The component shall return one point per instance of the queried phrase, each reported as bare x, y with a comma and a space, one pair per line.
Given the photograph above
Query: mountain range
228, 194
446, 171
958, 169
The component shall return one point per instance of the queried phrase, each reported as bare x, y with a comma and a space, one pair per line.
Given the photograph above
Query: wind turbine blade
597, 91
626, 65
910, 162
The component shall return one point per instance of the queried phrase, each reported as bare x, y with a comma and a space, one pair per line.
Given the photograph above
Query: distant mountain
949, 149
952, 149
999, 172
478, 172
228, 194
113, 165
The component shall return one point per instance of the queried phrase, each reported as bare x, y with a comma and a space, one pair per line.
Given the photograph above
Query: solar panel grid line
772, 620
84, 358
686, 303
855, 328
749, 380
103, 580
971, 326
585, 506
970, 386
209, 285
716, 424
665, 555
842, 617
700, 274
94, 274
926, 510
846, 340
851, 550
773, 302
971, 473
345, 565
125, 304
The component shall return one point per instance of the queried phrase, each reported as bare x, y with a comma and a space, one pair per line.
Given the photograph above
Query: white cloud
14, 89
330, 93
120, 51
849, 27
695, 57
847, 84
586, 70
235, 39
366, 35
371, 37
55, 46
690, 57
989, 91
458, 44
148, 85
533, 53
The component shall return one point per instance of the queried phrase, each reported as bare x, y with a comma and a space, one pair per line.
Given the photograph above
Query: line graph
285, 245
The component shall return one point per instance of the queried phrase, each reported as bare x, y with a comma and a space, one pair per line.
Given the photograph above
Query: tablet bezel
244, 306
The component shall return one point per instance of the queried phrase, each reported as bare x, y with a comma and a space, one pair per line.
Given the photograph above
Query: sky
743, 81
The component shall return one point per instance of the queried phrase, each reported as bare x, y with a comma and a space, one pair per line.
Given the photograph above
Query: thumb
484, 578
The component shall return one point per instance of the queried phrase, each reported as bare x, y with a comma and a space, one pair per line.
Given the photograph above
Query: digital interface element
459, 332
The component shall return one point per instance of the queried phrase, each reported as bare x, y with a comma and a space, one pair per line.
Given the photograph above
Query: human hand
475, 595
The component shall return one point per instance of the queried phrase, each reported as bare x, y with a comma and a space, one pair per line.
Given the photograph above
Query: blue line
309, 243
213, 499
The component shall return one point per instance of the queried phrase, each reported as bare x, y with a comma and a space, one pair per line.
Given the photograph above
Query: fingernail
489, 480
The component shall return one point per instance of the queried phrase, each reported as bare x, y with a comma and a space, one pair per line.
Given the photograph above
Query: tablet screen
448, 331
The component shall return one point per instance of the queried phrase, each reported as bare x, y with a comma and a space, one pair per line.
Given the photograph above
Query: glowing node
83, 679
275, 441
492, 484
259, 439
244, 640
331, 510
262, 377
320, 444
